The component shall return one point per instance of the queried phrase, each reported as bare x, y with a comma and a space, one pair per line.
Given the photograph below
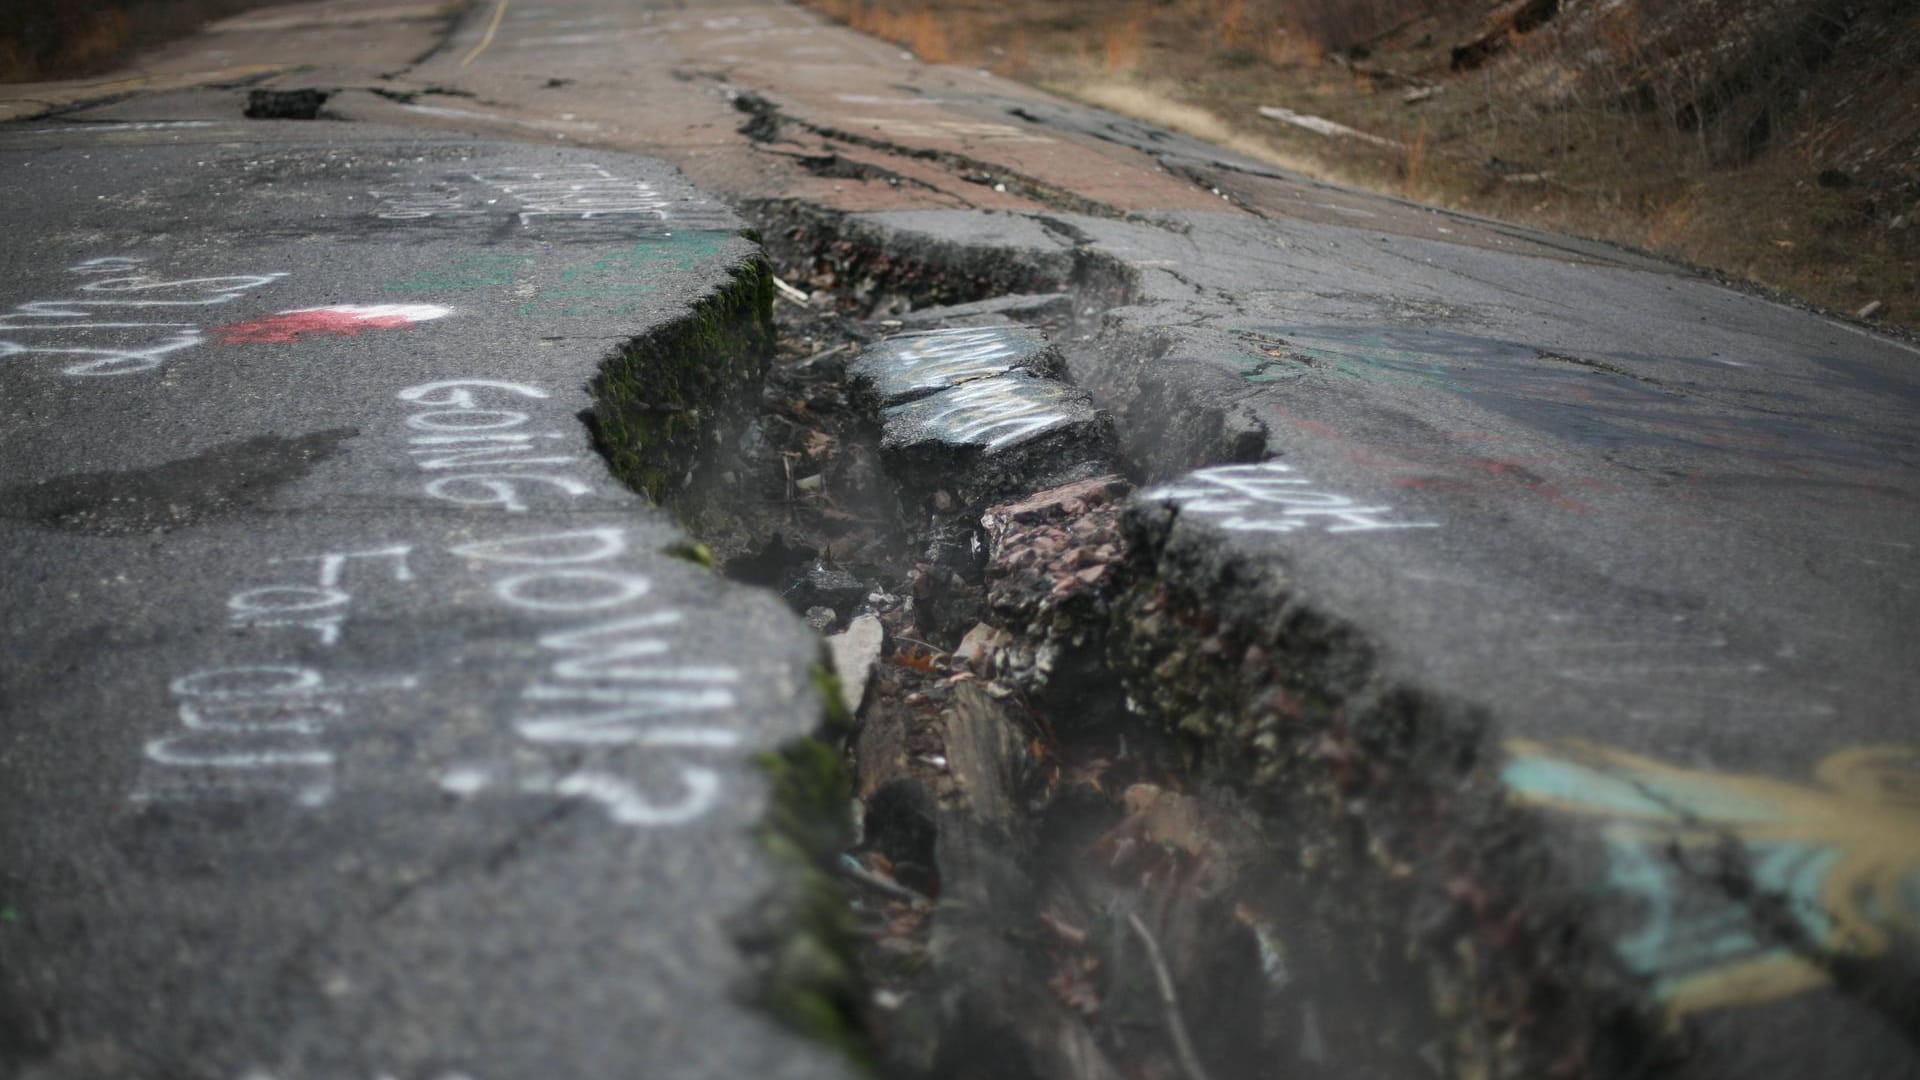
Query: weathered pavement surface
359, 723
1600, 577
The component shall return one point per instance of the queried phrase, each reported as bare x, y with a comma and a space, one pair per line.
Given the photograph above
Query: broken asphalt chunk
825, 586
996, 435
301, 104
855, 651
990, 414
909, 366
995, 312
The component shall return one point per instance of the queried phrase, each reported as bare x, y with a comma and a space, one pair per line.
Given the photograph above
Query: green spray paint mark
1369, 359
472, 272
1267, 369
680, 251
604, 286
611, 284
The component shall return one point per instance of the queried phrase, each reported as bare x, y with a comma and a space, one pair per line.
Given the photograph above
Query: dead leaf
1074, 985
908, 924
1089, 774
1169, 819
917, 658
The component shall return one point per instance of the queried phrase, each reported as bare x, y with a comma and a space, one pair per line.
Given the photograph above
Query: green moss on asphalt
659, 401
811, 793
839, 722
810, 981
692, 551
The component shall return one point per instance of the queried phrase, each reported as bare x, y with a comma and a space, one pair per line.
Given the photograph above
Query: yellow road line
499, 12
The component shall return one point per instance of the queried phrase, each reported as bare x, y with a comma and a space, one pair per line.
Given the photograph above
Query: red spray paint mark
346, 320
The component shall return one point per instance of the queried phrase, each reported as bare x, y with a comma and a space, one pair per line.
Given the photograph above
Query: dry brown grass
1236, 24
1123, 43
101, 36
927, 36
932, 36
1156, 103
1416, 156
1014, 63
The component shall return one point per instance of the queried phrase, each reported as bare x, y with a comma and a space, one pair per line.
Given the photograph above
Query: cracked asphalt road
1635, 553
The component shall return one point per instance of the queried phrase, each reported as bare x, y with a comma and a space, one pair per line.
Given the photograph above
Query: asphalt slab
360, 723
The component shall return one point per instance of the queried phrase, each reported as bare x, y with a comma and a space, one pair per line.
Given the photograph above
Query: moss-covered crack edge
801, 937
665, 395
658, 403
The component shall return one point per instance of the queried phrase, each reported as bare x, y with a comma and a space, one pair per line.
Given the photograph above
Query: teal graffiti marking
1372, 358
1839, 857
608, 285
472, 272
611, 284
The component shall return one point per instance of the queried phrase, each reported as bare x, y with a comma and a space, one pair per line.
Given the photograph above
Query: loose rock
855, 650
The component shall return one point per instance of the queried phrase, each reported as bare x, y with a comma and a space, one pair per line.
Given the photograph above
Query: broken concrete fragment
855, 650
980, 644
1020, 307
909, 366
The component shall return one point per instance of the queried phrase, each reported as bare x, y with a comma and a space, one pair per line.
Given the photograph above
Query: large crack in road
1051, 879
1081, 745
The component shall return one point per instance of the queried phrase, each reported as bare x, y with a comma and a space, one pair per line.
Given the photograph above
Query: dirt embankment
1774, 141
72, 39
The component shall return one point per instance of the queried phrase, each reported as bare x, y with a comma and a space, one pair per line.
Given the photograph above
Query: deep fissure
1049, 879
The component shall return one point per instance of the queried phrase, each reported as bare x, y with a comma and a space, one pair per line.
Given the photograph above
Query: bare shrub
1342, 26
1725, 73
933, 35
